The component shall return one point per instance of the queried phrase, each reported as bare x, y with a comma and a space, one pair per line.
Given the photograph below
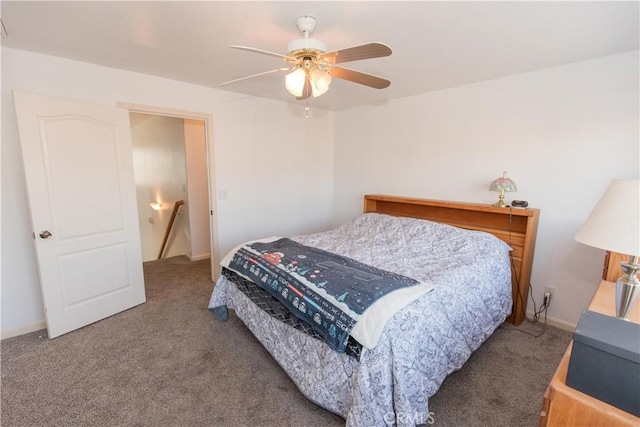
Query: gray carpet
169, 362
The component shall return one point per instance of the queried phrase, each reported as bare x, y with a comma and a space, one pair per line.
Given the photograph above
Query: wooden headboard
517, 227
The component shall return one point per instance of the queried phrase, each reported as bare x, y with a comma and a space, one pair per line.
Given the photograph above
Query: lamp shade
320, 81
294, 82
503, 184
614, 223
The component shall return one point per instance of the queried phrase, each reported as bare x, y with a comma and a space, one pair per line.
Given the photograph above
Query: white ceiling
436, 45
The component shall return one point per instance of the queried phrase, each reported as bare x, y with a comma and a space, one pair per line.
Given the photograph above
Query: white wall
159, 164
576, 125
562, 134
275, 167
198, 191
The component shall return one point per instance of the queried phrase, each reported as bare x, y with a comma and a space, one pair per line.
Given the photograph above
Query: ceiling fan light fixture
320, 81
294, 82
311, 69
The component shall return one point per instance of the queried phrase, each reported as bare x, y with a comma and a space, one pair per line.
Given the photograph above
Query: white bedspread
421, 344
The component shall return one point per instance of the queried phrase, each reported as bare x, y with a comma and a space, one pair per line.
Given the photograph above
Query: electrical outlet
549, 290
548, 294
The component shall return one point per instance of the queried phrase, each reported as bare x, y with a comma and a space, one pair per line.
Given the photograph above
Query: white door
79, 172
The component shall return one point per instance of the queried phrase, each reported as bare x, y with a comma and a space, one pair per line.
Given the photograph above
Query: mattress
420, 345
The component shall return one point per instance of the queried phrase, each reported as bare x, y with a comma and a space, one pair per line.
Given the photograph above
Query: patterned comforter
337, 296
421, 344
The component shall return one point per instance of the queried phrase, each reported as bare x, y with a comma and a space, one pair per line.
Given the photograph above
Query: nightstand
565, 406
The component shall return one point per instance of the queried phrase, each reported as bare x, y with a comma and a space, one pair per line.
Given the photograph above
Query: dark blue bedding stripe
300, 276
275, 309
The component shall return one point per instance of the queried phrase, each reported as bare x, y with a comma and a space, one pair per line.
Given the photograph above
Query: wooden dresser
565, 406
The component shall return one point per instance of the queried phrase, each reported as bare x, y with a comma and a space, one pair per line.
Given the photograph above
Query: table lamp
502, 184
614, 225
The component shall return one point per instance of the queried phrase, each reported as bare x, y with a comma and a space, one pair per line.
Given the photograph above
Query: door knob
45, 234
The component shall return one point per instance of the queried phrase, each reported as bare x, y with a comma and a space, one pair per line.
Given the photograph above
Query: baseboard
21, 330
557, 323
198, 257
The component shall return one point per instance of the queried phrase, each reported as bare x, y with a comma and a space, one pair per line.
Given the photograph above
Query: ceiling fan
311, 67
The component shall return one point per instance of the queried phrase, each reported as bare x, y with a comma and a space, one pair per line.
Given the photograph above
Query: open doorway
169, 158
173, 160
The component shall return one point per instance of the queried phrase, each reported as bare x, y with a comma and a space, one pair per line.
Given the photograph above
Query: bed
476, 282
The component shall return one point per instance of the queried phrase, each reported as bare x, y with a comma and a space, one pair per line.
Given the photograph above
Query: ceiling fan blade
306, 91
358, 77
264, 52
355, 53
278, 70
